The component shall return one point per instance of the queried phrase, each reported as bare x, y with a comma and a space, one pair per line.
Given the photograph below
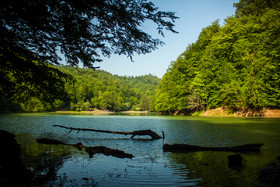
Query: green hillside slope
235, 66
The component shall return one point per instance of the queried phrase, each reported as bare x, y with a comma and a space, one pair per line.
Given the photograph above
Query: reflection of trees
42, 161
45, 169
211, 168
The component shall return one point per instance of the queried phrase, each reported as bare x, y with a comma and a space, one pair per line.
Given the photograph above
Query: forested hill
101, 90
235, 66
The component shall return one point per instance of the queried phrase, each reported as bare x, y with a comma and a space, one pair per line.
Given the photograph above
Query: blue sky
194, 16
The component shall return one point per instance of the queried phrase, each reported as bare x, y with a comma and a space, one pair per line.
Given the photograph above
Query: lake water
54, 165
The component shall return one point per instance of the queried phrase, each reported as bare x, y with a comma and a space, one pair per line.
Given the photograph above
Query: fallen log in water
90, 150
107, 151
180, 148
57, 142
133, 133
49, 141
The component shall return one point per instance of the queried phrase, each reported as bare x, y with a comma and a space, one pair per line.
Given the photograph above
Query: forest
37, 37
94, 89
234, 66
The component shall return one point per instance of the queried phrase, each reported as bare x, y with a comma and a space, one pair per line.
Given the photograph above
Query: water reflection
212, 168
42, 161
56, 165
64, 165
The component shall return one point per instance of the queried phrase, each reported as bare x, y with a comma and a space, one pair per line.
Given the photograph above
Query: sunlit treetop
255, 7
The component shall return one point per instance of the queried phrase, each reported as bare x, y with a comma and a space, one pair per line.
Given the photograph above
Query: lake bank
103, 112
217, 112
93, 112
221, 112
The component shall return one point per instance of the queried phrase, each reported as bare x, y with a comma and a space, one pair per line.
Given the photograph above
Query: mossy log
90, 150
149, 132
180, 148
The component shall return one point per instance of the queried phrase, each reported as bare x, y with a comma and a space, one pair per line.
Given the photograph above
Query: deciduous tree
35, 32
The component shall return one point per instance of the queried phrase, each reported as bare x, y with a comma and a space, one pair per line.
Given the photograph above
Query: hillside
234, 66
100, 90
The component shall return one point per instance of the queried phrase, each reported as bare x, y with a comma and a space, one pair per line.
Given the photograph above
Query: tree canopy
34, 32
234, 66
96, 90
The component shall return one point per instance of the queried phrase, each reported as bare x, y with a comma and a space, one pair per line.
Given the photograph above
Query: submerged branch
107, 151
134, 133
90, 150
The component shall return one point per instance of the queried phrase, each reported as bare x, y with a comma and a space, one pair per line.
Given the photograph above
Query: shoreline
94, 112
99, 112
221, 112
217, 112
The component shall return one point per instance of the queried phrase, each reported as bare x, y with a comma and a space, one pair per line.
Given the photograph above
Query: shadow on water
212, 168
25, 162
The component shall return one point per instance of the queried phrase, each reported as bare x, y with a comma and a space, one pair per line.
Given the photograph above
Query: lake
53, 165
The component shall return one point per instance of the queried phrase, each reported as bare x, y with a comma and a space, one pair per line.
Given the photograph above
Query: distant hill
97, 89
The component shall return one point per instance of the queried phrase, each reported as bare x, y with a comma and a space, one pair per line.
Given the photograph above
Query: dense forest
36, 35
98, 89
235, 66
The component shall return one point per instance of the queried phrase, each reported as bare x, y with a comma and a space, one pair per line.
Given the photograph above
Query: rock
107, 151
235, 162
270, 174
12, 170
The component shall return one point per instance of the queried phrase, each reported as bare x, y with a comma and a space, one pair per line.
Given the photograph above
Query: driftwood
49, 141
180, 148
107, 151
90, 150
133, 133
79, 145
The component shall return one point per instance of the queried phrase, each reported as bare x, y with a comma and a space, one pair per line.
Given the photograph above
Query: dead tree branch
134, 133
90, 150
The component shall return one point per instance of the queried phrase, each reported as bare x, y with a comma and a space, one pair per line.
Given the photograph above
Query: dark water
54, 165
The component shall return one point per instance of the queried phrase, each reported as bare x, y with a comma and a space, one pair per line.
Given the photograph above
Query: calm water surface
54, 165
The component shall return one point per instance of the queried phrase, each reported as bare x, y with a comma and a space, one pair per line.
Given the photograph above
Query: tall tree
234, 66
37, 31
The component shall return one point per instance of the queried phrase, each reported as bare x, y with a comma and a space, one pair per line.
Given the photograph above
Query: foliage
34, 34
101, 90
234, 66
26, 80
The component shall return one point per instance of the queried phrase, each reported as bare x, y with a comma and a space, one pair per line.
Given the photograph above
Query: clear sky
194, 15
